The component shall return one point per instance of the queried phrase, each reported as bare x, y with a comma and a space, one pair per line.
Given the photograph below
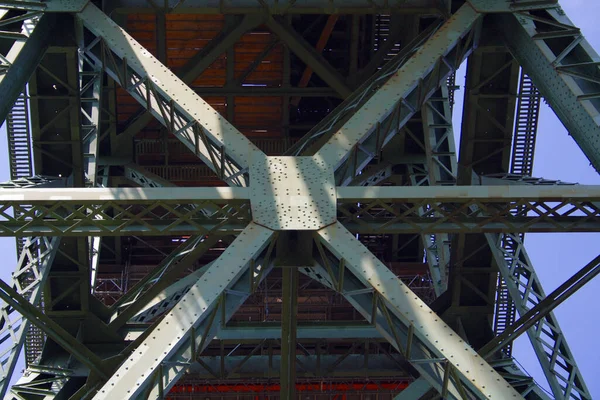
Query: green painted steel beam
193, 68
566, 72
15, 79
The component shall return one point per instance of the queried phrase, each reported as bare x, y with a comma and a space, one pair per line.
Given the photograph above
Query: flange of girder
503, 6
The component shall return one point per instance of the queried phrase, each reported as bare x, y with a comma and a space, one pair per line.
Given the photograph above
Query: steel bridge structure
263, 199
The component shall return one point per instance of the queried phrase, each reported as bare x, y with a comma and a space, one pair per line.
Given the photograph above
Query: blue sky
555, 256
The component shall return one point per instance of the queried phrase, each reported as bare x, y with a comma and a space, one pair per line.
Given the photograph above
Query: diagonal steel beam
53, 330
193, 121
541, 309
27, 57
548, 340
398, 96
194, 68
162, 276
175, 337
566, 71
309, 55
450, 364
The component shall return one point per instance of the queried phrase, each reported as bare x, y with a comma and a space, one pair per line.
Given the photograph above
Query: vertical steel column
440, 169
288, 333
230, 23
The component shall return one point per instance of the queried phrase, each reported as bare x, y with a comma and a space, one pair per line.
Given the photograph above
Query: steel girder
525, 289
91, 84
353, 135
378, 209
28, 280
441, 356
538, 321
438, 138
438, 144
541, 309
55, 109
163, 211
17, 119
351, 146
488, 110
91, 79
278, 7
331, 271
193, 68
449, 371
485, 144
547, 339
34, 182
163, 356
202, 129
323, 366
564, 67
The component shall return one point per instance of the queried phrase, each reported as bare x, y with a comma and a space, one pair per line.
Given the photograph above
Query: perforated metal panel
292, 193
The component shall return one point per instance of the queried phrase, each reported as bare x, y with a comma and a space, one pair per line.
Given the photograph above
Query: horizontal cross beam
235, 195
184, 211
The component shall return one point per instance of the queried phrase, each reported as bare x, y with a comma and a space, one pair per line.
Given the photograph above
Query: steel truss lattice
319, 210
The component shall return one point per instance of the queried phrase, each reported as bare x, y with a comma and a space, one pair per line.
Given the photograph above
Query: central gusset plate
292, 193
